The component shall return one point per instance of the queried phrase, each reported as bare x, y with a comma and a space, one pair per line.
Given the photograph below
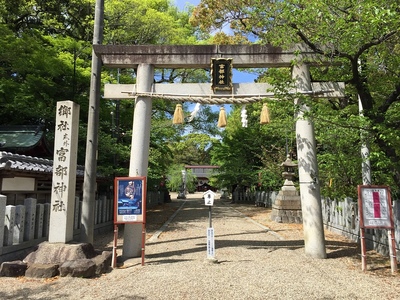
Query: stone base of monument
287, 207
53, 259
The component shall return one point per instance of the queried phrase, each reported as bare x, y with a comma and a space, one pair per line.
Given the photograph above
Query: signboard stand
129, 207
115, 245
375, 210
209, 201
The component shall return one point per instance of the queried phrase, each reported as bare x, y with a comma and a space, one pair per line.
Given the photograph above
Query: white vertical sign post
210, 243
209, 201
64, 173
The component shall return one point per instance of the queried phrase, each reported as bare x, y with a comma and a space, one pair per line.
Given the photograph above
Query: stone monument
287, 206
64, 173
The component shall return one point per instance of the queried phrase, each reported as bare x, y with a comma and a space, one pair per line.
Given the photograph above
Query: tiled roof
24, 139
23, 163
12, 137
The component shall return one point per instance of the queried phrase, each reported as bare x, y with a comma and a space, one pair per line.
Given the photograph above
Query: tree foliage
142, 22
45, 57
361, 39
251, 156
175, 181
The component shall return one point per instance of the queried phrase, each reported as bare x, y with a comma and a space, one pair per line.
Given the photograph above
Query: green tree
73, 18
45, 57
175, 178
361, 39
192, 149
137, 22
141, 22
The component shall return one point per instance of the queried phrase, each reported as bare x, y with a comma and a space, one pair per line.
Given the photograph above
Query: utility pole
89, 183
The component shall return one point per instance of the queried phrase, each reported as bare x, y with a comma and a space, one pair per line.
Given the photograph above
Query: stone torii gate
147, 58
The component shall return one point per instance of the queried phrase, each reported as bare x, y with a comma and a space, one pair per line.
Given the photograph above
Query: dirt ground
337, 246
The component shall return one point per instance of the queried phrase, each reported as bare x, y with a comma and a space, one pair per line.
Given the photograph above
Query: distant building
23, 176
25, 168
203, 174
29, 140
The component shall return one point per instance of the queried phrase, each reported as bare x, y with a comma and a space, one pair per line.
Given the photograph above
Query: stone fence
341, 217
259, 198
27, 225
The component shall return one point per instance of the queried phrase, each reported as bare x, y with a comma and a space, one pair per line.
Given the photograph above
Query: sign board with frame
375, 206
129, 200
375, 211
221, 74
129, 207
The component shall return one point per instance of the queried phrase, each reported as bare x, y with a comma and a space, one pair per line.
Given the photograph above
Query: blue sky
182, 3
238, 77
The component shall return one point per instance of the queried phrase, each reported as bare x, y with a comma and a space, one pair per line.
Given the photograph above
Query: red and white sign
375, 207
375, 211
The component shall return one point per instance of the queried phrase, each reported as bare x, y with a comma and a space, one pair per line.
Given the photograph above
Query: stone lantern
288, 173
182, 190
287, 206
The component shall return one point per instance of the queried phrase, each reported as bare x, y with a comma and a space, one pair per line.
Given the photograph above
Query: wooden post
363, 250
115, 245
392, 250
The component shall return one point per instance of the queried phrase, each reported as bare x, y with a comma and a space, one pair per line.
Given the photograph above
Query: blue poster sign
130, 199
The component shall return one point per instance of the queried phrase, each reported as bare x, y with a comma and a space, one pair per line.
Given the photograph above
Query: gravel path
252, 263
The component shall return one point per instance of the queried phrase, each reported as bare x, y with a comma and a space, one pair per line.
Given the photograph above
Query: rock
52, 259
13, 268
58, 253
84, 268
42, 270
103, 262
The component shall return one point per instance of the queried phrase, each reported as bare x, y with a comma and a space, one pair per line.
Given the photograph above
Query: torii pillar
139, 160
313, 227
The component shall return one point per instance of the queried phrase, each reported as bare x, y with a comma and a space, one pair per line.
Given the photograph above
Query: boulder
58, 253
13, 268
52, 259
103, 262
42, 270
84, 268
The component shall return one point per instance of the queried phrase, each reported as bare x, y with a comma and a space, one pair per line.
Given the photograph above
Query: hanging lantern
264, 118
178, 115
222, 117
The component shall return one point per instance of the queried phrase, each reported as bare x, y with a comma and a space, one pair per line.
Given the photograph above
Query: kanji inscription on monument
64, 172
